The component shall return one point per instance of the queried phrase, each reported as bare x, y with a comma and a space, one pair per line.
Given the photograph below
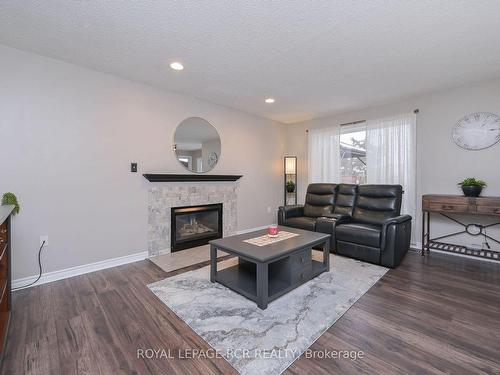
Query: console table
5, 276
458, 204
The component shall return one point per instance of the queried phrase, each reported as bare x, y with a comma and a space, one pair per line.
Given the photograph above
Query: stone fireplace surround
163, 196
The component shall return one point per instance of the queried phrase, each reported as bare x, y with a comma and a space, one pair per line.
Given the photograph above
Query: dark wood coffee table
264, 273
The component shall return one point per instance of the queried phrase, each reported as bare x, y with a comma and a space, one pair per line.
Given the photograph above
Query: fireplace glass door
195, 225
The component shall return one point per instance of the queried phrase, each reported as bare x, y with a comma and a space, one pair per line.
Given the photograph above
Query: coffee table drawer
301, 275
300, 260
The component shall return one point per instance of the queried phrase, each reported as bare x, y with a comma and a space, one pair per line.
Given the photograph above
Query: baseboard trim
78, 270
92, 267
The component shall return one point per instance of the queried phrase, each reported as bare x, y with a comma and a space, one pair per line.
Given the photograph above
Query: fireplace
195, 225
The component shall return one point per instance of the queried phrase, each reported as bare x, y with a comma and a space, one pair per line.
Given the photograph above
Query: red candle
273, 230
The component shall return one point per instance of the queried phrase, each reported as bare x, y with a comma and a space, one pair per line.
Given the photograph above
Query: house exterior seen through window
353, 154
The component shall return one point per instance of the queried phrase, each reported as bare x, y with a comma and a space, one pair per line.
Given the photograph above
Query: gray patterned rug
267, 341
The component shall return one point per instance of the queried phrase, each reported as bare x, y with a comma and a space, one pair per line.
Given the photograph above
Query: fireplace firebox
195, 225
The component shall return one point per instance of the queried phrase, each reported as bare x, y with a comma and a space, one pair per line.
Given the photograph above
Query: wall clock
477, 131
212, 159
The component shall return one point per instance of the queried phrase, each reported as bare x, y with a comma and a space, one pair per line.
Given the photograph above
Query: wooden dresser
5, 276
445, 205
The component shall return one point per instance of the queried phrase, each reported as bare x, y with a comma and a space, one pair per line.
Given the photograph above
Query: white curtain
391, 156
324, 155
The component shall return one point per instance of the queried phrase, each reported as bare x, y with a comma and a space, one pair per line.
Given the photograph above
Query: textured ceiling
315, 57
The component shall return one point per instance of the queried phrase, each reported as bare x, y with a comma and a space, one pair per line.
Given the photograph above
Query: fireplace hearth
193, 226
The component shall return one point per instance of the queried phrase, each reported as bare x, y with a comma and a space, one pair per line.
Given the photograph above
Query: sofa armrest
286, 212
338, 217
395, 240
396, 220
327, 224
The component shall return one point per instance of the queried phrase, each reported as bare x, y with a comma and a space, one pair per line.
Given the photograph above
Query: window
380, 151
353, 154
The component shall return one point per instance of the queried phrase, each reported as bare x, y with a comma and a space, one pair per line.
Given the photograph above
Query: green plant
290, 186
10, 198
471, 181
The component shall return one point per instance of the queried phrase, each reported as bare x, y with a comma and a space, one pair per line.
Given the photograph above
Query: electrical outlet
133, 167
46, 239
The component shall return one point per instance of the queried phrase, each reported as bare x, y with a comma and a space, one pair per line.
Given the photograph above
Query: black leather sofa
364, 220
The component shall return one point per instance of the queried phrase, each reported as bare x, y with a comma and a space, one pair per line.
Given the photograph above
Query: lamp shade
290, 165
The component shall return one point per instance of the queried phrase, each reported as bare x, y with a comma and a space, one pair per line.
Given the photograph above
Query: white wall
69, 135
440, 163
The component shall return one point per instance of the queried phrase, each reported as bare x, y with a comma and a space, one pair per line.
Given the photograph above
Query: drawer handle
447, 207
301, 259
301, 275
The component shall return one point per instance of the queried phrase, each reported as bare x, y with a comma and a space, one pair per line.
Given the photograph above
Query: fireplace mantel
153, 177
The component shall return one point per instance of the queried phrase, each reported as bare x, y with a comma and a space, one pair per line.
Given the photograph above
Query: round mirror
197, 145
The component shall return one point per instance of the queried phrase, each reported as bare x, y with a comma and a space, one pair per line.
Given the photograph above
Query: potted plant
472, 187
290, 186
10, 198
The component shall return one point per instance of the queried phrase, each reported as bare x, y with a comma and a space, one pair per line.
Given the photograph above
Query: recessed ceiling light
177, 66
269, 100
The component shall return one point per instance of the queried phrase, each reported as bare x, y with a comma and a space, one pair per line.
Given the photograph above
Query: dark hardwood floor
433, 315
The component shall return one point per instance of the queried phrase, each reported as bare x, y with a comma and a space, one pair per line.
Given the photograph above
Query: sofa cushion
363, 234
314, 211
302, 222
361, 252
346, 198
377, 203
320, 199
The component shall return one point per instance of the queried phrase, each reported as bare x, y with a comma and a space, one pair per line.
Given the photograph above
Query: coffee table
267, 272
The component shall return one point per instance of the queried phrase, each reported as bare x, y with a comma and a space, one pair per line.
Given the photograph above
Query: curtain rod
353, 123
415, 111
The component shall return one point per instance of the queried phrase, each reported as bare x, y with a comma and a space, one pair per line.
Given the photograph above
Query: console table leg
213, 263
422, 251
428, 231
262, 286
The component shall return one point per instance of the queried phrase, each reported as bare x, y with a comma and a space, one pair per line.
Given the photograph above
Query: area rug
267, 341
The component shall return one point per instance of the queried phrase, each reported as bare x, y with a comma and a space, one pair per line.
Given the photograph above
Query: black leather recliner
320, 202
364, 221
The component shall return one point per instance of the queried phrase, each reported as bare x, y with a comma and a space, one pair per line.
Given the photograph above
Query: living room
311, 151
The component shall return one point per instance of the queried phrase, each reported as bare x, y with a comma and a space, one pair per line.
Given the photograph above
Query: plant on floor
472, 187
10, 198
290, 186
